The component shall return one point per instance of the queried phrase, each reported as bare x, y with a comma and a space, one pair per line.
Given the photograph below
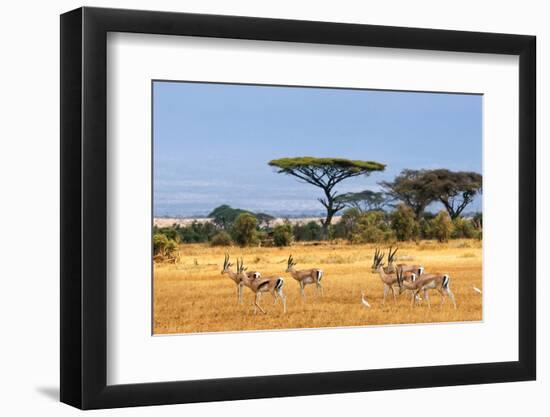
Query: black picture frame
84, 207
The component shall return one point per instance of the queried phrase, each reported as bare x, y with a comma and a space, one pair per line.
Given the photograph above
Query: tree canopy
410, 188
308, 163
325, 173
455, 190
366, 200
225, 215
419, 188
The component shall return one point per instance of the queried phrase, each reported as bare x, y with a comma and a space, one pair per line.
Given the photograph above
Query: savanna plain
192, 296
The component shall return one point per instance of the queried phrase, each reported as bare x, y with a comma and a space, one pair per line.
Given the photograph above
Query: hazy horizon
212, 142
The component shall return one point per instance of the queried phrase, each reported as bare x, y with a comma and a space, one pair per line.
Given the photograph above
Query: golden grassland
192, 296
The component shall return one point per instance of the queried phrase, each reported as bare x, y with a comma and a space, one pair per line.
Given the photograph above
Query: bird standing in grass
364, 300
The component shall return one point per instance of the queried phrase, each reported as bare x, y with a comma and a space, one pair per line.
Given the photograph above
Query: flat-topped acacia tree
325, 173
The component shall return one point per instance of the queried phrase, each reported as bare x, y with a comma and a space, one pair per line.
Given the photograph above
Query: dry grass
192, 296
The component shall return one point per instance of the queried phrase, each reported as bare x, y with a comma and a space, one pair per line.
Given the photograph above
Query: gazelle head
290, 263
377, 261
226, 264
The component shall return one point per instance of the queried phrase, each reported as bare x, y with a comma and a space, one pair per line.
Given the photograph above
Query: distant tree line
355, 226
396, 213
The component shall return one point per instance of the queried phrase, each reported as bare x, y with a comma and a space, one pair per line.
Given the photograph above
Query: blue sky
212, 142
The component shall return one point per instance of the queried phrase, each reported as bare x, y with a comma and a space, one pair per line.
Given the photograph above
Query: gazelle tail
319, 275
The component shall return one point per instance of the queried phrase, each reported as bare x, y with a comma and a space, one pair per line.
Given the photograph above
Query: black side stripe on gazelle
279, 284
445, 281
319, 275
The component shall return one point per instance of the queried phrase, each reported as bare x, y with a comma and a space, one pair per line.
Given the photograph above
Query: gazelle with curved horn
273, 285
305, 276
236, 278
426, 282
392, 268
389, 280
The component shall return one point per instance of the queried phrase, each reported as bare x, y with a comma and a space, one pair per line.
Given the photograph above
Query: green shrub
373, 228
442, 226
244, 231
282, 235
159, 243
348, 227
404, 224
197, 232
221, 239
463, 229
477, 220
308, 232
363, 227
170, 232
171, 248
164, 246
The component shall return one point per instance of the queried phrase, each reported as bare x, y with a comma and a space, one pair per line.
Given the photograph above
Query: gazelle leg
394, 296
427, 297
452, 297
319, 289
385, 294
302, 293
283, 298
413, 298
256, 302
274, 295
443, 295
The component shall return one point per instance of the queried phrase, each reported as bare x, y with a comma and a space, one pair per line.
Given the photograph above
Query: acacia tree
325, 173
409, 187
455, 190
419, 188
364, 201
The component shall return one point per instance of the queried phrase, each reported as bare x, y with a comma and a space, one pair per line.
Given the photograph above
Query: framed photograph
257, 208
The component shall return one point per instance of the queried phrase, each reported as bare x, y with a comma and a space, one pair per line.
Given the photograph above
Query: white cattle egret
364, 300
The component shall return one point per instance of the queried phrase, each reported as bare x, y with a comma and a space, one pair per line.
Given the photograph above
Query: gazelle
389, 280
305, 276
273, 285
426, 282
392, 268
236, 278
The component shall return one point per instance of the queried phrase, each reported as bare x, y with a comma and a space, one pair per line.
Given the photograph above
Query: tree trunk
331, 211
328, 220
